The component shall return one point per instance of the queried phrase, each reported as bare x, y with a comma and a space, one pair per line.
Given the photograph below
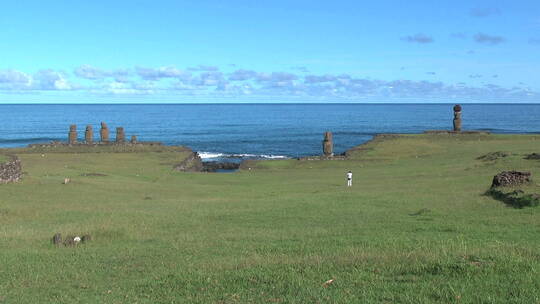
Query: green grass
416, 227
3, 158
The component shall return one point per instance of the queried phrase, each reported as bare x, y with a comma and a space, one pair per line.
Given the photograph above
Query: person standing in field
349, 179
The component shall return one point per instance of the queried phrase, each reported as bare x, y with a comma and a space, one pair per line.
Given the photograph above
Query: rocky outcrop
10, 171
192, 163
215, 166
457, 118
511, 178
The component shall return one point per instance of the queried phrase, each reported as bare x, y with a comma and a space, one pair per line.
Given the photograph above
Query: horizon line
263, 103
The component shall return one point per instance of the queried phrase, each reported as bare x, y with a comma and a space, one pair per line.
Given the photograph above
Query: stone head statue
457, 118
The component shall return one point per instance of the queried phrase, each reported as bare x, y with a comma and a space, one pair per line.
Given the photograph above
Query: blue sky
269, 51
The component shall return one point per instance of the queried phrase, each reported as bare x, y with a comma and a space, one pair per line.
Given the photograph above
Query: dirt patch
422, 211
517, 198
492, 156
533, 156
93, 174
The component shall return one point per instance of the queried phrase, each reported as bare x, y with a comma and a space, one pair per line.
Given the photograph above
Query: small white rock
76, 239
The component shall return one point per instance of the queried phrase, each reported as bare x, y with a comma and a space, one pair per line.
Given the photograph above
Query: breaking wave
215, 155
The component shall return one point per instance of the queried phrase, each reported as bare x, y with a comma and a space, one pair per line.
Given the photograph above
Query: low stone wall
10, 171
323, 157
95, 144
456, 132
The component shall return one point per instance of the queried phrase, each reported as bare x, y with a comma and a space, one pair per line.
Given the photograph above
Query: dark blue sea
256, 130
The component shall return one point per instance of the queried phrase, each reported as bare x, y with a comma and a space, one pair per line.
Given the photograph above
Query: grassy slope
3, 158
415, 228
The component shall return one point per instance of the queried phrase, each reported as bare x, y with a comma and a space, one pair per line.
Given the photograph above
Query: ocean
239, 131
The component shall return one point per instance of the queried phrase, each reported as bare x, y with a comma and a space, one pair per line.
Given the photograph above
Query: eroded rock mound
192, 163
511, 178
493, 156
11, 171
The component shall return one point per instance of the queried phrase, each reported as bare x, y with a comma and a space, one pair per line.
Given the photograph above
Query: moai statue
457, 118
89, 134
104, 133
133, 139
72, 136
328, 144
120, 135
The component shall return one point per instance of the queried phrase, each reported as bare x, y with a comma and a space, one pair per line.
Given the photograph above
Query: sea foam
215, 155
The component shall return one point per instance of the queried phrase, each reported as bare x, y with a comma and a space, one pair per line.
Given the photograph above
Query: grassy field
3, 158
415, 227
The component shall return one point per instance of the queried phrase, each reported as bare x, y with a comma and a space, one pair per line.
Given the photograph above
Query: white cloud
484, 11
89, 72
51, 80
488, 39
204, 68
161, 72
121, 88
165, 81
240, 75
418, 38
11, 79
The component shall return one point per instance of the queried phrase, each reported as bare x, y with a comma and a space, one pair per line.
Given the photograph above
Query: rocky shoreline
194, 163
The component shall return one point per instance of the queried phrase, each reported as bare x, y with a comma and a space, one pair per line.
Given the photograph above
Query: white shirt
349, 175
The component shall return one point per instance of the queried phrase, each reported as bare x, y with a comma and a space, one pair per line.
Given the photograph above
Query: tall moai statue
457, 118
328, 144
104, 132
120, 135
89, 135
72, 136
